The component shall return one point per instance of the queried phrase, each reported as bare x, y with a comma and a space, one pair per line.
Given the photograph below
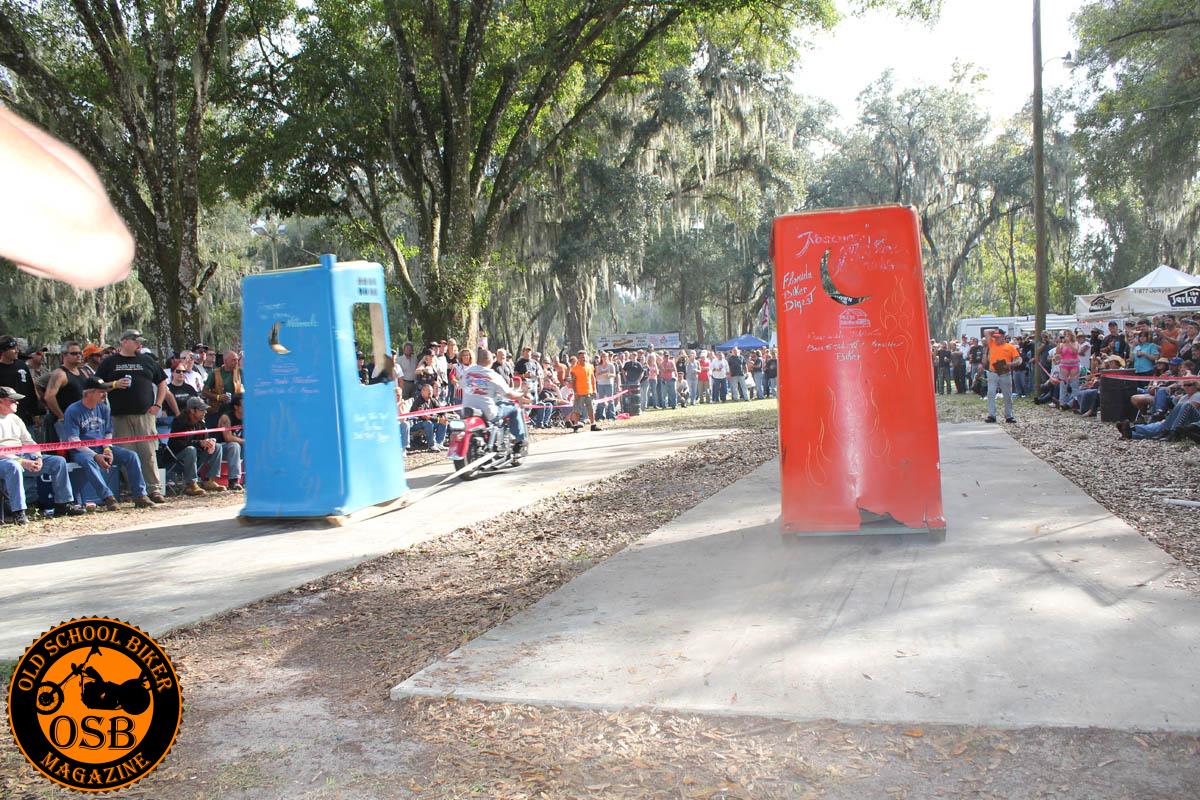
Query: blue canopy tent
744, 342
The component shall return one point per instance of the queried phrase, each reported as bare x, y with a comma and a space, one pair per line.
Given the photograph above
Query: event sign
1136, 302
857, 420
1164, 290
640, 341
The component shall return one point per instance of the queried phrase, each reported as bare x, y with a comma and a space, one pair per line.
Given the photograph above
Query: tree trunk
700, 326
577, 308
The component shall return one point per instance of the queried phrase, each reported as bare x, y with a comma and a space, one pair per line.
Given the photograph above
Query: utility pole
1039, 191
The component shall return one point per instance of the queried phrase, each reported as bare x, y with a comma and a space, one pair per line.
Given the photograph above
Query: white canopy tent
1164, 290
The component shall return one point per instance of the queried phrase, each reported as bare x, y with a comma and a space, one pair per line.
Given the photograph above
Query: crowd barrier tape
429, 412
1148, 378
596, 401
54, 447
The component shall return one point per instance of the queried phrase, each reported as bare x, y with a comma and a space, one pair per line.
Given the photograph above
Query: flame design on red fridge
857, 419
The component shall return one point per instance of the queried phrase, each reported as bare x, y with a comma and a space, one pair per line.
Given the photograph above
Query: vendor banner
1137, 302
640, 341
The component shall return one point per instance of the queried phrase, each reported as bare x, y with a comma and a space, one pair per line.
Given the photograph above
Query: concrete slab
174, 571
1039, 608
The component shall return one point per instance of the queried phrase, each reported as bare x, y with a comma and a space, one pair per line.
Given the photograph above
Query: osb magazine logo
94, 704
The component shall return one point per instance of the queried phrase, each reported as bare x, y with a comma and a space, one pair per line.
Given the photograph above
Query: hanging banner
639, 341
1137, 302
857, 420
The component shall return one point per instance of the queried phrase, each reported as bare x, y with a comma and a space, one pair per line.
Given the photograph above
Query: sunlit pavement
1039, 607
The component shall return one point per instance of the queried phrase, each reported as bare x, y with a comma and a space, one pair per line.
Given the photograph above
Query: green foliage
1139, 129
928, 147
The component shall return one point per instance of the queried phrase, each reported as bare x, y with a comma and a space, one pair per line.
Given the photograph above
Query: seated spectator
233, 443
1086, 400
549, 395
403, 404
190, 450
89, 419
1048, 391
14, 433
1185, 412
432, 426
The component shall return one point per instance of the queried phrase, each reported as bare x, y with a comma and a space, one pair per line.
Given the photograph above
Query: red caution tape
54, 447
1146, 378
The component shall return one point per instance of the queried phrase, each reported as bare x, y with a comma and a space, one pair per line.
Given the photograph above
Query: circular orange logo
94, 704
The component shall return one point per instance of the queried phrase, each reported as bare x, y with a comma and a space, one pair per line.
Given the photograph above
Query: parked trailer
979, 327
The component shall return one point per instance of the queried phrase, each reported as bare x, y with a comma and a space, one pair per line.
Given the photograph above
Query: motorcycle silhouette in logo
131, 696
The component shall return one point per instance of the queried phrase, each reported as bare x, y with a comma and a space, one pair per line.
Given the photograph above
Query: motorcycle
132, 696
482, 445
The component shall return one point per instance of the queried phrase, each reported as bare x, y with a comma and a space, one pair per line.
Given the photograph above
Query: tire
49, 698
474, 452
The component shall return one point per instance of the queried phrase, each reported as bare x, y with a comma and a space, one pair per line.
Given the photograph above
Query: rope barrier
54, 447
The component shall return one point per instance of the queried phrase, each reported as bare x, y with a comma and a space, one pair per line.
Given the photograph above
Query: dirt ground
289, 697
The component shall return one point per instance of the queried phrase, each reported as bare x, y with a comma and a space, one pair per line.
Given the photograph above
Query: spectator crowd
104, 392
578, 389
1154, 359
98, 392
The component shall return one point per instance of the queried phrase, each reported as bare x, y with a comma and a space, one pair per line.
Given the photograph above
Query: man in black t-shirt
974, 361
139, 390
633, 372
16, 375
521, 363
737, 375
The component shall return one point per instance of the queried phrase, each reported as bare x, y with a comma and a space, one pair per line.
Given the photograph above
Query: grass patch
6, 670
754, 415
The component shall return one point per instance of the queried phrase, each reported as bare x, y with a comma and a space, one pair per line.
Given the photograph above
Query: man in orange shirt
1002, 359
583, 377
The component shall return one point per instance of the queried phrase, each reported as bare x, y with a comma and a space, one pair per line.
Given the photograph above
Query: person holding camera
1002, 358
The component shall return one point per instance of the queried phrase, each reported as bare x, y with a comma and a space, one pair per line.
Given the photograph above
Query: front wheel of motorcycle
474, 453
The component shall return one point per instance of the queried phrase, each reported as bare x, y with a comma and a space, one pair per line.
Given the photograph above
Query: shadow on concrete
188, 534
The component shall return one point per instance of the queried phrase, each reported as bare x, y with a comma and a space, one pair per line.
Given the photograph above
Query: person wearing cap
14, 467
93, 354
64, 386
193, 450
15, 374
90, 419
1002, 358
139, 392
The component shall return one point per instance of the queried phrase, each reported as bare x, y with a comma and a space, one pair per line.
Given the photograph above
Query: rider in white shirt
486, 392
